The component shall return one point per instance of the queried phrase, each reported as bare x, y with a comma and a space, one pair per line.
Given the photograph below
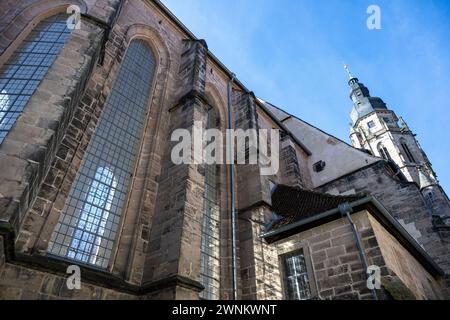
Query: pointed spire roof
363, 102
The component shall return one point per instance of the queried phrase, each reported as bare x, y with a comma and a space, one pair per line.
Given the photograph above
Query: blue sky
292, 52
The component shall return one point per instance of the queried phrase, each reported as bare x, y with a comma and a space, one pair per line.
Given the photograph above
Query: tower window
429, 198
319, 166
371, 124
408, 152
23, 72
296, 278
384, 153
386, 119
209, 249
90, 219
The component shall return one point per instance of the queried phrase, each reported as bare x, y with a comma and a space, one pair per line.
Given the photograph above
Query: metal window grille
88, 224
296, 277
25, 69
209, 257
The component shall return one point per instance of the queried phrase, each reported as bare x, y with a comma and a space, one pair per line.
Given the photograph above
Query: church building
91, 94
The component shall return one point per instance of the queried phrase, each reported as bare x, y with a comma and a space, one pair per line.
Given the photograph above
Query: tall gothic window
429, 198
296, 279
25, 69
384, 153
89, 222
209, 255
407, 151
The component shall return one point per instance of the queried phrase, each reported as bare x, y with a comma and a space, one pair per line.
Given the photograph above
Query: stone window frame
309, 268
31, 80
18, 29
371, 124
383, 151
26, 19
407, 151
123, 211
215, 99
217, 180
151, 140
132, 35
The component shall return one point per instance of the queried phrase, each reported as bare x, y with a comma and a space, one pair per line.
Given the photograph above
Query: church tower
378, 130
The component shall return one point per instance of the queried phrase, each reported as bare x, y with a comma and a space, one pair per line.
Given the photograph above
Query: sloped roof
424, 179
293, 204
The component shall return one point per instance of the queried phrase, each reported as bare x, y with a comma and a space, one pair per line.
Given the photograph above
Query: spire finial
348, 71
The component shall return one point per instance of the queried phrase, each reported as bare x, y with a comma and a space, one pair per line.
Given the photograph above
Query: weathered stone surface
157, 252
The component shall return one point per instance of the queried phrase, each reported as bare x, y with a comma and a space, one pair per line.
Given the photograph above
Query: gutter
386, 219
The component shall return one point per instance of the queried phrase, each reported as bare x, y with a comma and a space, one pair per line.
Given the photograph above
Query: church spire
363, 103
346, 67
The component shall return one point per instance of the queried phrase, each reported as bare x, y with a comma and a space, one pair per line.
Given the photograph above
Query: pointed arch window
209, 250
429, 198
384, 153
25, 69
407, 151
88, 225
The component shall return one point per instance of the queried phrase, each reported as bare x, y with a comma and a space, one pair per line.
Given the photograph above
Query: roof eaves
389, 221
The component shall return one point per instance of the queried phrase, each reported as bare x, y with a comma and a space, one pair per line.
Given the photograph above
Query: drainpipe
345, 209
232, 189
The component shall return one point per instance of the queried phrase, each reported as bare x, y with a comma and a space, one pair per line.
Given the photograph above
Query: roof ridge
317, 128
315, 192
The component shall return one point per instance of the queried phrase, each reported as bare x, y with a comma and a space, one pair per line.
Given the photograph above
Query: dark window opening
384, 153
319, 166
429, 198
408, 152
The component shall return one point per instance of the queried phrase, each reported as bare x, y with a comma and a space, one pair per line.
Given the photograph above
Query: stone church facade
87, 177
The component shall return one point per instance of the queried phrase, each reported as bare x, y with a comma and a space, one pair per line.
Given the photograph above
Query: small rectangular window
370, 124
387, 120
296, 278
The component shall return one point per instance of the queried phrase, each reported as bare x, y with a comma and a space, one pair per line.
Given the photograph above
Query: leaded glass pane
296, 277
209, 258
23, 72
87, 227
